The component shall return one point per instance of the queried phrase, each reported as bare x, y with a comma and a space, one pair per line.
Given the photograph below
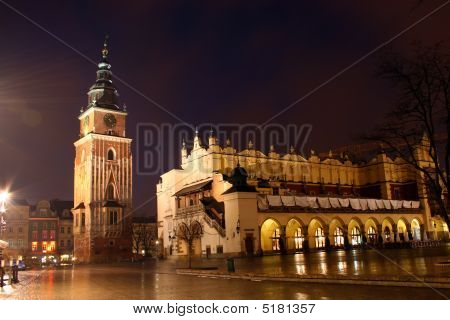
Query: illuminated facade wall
379, 177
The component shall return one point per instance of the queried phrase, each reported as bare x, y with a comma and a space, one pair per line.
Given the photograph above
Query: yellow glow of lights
4, 196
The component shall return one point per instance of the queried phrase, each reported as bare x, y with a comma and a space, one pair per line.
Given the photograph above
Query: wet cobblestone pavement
157, 279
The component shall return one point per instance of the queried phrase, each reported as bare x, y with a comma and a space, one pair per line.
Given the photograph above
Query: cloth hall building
248, 202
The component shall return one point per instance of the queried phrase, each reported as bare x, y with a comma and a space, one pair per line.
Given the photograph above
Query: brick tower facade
102, 175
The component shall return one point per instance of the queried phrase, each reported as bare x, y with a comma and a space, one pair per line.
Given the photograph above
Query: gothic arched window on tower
111, 155
110, 192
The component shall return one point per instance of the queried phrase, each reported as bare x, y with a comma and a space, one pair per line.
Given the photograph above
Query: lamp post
4, 196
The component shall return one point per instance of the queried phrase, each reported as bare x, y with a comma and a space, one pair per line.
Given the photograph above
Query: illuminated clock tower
103, 175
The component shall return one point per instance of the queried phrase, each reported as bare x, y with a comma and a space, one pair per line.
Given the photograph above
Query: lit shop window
356, 236
52, 246
320, 238
34, 246
338, 237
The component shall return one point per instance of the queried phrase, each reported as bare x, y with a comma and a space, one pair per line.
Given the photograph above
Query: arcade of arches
297, 234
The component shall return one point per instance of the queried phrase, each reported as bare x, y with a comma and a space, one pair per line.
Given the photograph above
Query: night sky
208, 62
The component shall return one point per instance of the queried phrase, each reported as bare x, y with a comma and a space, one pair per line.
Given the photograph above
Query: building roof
80, 206
246, 188
206, 185
147, 219
60, 205
111, 204
62, 208
19, 202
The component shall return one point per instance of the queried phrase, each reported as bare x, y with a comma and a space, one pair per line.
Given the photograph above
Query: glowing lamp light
4, 196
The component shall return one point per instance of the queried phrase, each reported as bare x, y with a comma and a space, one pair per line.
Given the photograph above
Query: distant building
65, 229
144, 236
16, 231
45, 222
248, 202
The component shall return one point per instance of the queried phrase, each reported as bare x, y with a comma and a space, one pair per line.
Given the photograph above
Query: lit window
356, 236
44, 246
276, 240
372, 234
110, 155
320, 238
34, 246
338, 237
387, 234
298, 239
52, 246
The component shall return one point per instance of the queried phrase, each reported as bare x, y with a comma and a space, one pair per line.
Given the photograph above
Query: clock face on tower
110, 120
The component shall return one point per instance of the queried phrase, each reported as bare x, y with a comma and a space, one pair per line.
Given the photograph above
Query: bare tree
143, 236
189, 228
136, 238
417, 128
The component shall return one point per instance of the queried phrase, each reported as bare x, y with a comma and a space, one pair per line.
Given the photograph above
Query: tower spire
105, 50
103, 93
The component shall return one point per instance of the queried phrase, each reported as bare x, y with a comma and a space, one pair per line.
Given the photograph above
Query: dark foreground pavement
158, 279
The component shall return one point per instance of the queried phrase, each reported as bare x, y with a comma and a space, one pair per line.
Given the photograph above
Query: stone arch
371, 230
441, 231
295, 234
338, 232
111, 154
387, 226
270, 235
415, 230
355, 231
403, 228
317, 233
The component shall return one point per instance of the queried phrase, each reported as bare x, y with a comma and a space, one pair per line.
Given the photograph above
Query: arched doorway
402, 230
440, 229
356, 236
319, 237
371, 231
387, 234
316, 233
338, 237
415, 230
294, 235
372, 235
337, 233
354, 231
270, 235
387, 227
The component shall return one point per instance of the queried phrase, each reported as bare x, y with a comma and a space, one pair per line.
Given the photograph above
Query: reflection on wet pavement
157, 279
418, 262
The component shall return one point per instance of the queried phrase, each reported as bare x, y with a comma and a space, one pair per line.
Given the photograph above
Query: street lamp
4, 196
